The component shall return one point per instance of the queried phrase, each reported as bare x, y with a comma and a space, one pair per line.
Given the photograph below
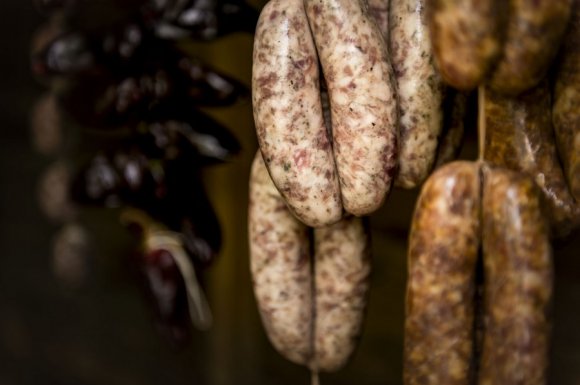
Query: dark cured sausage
519, 136
518, 281
443, 249
565, 112
535, 30
467, 38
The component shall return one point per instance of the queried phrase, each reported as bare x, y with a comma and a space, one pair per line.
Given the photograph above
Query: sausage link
280, 266
467, 37
443, 249
288, 114
363, 102
420, 90
311, 319
342, 268
518, 281
534, 32
519, 136
567, 103
455, 107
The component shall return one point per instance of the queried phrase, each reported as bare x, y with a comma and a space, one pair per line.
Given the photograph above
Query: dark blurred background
101, 330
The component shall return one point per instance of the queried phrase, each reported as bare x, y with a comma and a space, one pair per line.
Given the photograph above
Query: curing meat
362, 100
312, 314
280, 265
443, 248
519, 136
342, 266
420, 90
288, 114
566, 116
534, 32
455, 106
518, 282
467, 38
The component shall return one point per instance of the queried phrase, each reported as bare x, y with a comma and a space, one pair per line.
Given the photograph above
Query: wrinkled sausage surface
420, 89
443, 249
518, 282
363, 103
288, 114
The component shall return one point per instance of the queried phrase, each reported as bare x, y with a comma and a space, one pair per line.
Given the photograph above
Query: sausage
420, 89
518, 281
567, 103
342, 267
288, 114
467, 37
443, 249
280, 266
534, 32
312, 315
519, 136
363, 101
455, 107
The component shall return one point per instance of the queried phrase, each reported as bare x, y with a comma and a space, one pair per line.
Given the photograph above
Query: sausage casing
567, 103
534, 32
467, 38
312, 315
288, 114
363, 102
420, 89
519, 136
518, 281
443, 249
280, 266
342, 267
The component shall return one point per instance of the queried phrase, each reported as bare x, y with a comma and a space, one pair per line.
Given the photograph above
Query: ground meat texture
420, 89
288, 114
455, 107
280, 266
518, 282
566, 107
443, 248
363, 102
342, 268
519, 136
534, 32
467, 37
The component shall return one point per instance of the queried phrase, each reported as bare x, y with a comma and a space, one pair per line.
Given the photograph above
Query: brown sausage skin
363, 100
288, 114
443, 249
467, 36
280, 266
520, 137
379, 10
342, 267
518, 281
567, 103
534, 33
